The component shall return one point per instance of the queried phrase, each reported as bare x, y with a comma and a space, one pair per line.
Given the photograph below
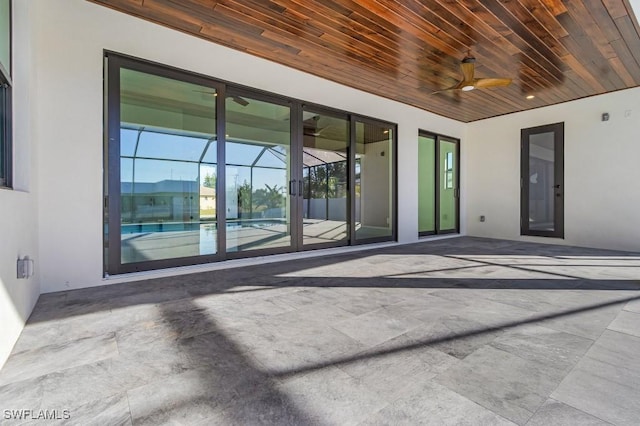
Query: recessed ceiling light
530, 96
468, 88
386, 131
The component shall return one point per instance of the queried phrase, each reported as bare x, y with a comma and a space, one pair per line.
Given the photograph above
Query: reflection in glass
541, 181
5, 35
426, 184
374, 181
324, 158
448, 184
168, 170
257, 174
166, 145
4, 140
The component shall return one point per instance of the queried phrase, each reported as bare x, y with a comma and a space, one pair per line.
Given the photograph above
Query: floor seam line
620, 332
582, 411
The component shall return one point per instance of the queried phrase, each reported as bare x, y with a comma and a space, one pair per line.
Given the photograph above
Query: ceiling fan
314, 130
237, 99
468, 82
310, 131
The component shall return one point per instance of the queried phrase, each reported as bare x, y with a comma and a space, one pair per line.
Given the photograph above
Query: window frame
6, 114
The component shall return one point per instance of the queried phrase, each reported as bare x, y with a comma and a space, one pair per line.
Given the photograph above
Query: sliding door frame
425, 134
112, 196
354, 118
112, 250
456, 189
438, 179
300, 136
293, 147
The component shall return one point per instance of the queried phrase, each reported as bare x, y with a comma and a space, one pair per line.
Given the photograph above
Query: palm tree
272, 197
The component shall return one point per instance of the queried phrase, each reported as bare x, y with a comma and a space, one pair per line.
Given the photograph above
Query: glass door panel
447, 185
426, 185
258, 170
541, 182
167, 202
325, 154
542, 169
374, 179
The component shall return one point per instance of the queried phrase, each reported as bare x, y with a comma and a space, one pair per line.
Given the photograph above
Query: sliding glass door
200, 171
374, 181
426, 184
258, 171
325, 173
438, 187
162, 164
447, 184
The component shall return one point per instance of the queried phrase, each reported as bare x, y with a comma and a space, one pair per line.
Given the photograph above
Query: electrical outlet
627, 113
24, 268
482, 218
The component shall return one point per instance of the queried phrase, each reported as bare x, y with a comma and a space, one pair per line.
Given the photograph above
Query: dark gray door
542, 181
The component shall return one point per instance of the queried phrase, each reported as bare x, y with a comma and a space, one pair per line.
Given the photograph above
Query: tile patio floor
459, 331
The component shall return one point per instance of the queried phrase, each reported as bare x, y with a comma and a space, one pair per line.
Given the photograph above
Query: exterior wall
601, 172
18, 207
71, 38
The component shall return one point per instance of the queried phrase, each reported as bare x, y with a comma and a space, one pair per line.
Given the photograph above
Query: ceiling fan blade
467, 67
458, 86
319, 132
468, 70
481, 83
315, 132
239, 100
206, 92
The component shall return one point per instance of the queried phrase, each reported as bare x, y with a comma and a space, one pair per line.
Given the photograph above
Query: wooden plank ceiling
405, 50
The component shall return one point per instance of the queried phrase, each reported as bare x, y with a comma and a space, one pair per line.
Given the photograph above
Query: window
5, 93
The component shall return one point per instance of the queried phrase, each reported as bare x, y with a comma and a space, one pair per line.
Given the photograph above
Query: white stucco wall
72, 36
18, 207
602, 172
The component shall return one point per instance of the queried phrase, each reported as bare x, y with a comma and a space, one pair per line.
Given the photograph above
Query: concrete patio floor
458, 331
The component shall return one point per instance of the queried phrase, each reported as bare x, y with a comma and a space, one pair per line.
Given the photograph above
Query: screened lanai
169, 185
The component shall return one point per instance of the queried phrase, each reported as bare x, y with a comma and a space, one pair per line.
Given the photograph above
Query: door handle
292, 187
